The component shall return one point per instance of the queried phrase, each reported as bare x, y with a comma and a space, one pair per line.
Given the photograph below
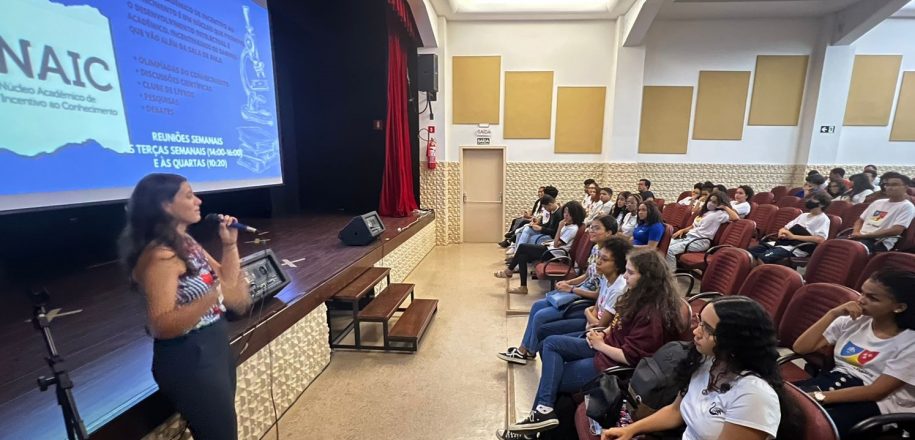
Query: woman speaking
187, 293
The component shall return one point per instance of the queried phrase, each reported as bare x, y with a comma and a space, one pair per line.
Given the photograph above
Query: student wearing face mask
698, 237
809, 227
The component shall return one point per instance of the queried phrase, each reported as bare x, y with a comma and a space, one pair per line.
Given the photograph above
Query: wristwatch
819, 396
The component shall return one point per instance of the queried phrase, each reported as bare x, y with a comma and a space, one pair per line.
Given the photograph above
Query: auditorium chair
731, 193
837, 261
772, 286
795, 190
763, 198
778, 192
838, 207
676, 215
906, 242
660, 204
781, 218
835, 225
806, 307
884, 427
724, 275
562, 267
789, 202
851, 215
816, 423
763, 215
735, 234
886, 261
684, 195
664, 243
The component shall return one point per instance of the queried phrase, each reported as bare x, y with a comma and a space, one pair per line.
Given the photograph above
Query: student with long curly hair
731, 387
648, 315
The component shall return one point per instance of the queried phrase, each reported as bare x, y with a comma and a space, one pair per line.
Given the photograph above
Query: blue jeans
568, 365
529, 235
545, 320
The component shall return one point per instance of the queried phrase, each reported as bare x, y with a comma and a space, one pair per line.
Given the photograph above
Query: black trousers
196, 372
516, 223
844, 415
526, 253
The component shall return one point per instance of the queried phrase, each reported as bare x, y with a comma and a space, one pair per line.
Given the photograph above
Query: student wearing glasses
730, 384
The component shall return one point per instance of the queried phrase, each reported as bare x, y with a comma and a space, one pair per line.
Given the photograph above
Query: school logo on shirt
715, 410
878, 215
857, 356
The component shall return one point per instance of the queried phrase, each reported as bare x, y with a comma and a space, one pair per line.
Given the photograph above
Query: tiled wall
441, 189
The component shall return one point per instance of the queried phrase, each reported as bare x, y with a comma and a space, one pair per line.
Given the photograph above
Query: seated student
645, 189
707, 188
885, 219
716, 212
594, 202
648, 315
860, 189
586, 200
604, 207
602, 282
693, 196
731, 387
812, 184
809, 227
650, 229
619, 210
741, 202
874, 352
524, 219
871, 172
836, 189
631, 219
540, 230
722, 188
573, 215
838, 175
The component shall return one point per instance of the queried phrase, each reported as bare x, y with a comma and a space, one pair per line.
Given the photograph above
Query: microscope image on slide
260, 147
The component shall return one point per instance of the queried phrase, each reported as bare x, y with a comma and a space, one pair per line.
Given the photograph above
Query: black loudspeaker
362, 230
427, 78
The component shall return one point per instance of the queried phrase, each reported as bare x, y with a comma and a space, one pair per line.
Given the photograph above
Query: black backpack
653, 383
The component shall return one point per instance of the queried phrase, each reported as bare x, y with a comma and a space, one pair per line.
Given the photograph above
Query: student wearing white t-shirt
741, 202
631, 219
698, 237
809, 227
573, 215
730, 384
874, 352
884, 220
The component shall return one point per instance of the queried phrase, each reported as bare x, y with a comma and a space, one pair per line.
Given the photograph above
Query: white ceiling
744, 9
531, 9
907, 10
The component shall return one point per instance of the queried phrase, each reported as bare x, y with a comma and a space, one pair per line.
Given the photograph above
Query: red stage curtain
404, 16
397, 197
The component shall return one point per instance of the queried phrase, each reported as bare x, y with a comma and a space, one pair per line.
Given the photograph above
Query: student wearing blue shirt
649, 229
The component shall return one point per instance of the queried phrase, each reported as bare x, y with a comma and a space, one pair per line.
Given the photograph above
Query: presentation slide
95, 94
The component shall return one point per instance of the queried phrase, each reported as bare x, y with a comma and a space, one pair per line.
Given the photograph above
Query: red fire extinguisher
430, 153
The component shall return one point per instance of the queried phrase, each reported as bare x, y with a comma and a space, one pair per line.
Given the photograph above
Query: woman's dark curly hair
748, 190
620, 209
654, 289
618, 247
576, 211
147, 221
745, 343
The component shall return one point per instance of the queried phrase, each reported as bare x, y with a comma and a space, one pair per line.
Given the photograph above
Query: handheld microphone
241, 227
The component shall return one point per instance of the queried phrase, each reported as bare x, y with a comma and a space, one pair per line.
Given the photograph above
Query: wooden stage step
387, 302
363, 284
414, 321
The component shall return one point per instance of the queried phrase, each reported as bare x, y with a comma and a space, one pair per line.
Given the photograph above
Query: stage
109, 353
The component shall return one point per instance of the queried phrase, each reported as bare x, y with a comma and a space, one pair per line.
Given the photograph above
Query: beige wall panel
904, 122
721, 105
475, 87
665, 119
778, 89
873, 87
528, 105
580, 119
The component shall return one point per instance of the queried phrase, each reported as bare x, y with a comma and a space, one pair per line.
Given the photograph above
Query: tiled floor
453, 388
